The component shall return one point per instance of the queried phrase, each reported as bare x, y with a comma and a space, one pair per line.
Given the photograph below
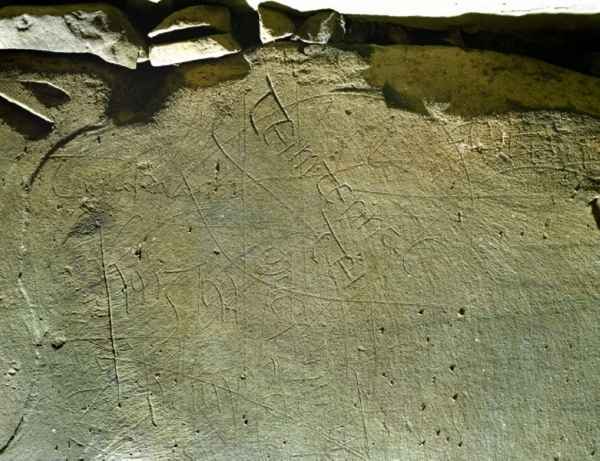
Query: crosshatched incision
280, 269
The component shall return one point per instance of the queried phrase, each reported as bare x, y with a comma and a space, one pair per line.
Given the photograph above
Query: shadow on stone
24, 122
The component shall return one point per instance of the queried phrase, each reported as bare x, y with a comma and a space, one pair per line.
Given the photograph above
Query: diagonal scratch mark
111, 327
13, 436
362, 412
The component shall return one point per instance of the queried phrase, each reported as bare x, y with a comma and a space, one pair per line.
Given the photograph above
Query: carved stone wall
308, 249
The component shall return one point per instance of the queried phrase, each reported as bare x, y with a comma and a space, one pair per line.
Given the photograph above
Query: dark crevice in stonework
136, 96
568, 40
574, 45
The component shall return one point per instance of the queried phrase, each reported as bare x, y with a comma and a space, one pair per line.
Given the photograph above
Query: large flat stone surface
290, 266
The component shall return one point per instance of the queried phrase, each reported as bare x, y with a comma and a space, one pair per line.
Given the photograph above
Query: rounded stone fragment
274, 25
210, 47
195, 17
323, 27
97, 29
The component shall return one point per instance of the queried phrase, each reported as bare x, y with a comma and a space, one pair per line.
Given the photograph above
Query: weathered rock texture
195, 17
97, 29
380, 252
478, 83
210, 47
317, 28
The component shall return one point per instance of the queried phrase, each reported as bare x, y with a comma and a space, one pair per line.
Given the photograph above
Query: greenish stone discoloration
273, 261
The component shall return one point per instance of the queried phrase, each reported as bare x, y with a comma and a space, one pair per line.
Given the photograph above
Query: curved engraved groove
28, 185
12, 436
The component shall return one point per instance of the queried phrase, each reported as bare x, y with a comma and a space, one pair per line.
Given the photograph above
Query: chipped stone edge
27, 109
293, 18
136, 39
169, 24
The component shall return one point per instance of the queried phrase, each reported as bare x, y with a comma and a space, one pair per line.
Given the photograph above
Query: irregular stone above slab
442, 8
472, 83
209, 47
274, 24
97, 29
319, 28
195, 17
322, 27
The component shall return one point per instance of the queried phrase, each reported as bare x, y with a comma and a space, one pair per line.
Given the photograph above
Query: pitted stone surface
301, 251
